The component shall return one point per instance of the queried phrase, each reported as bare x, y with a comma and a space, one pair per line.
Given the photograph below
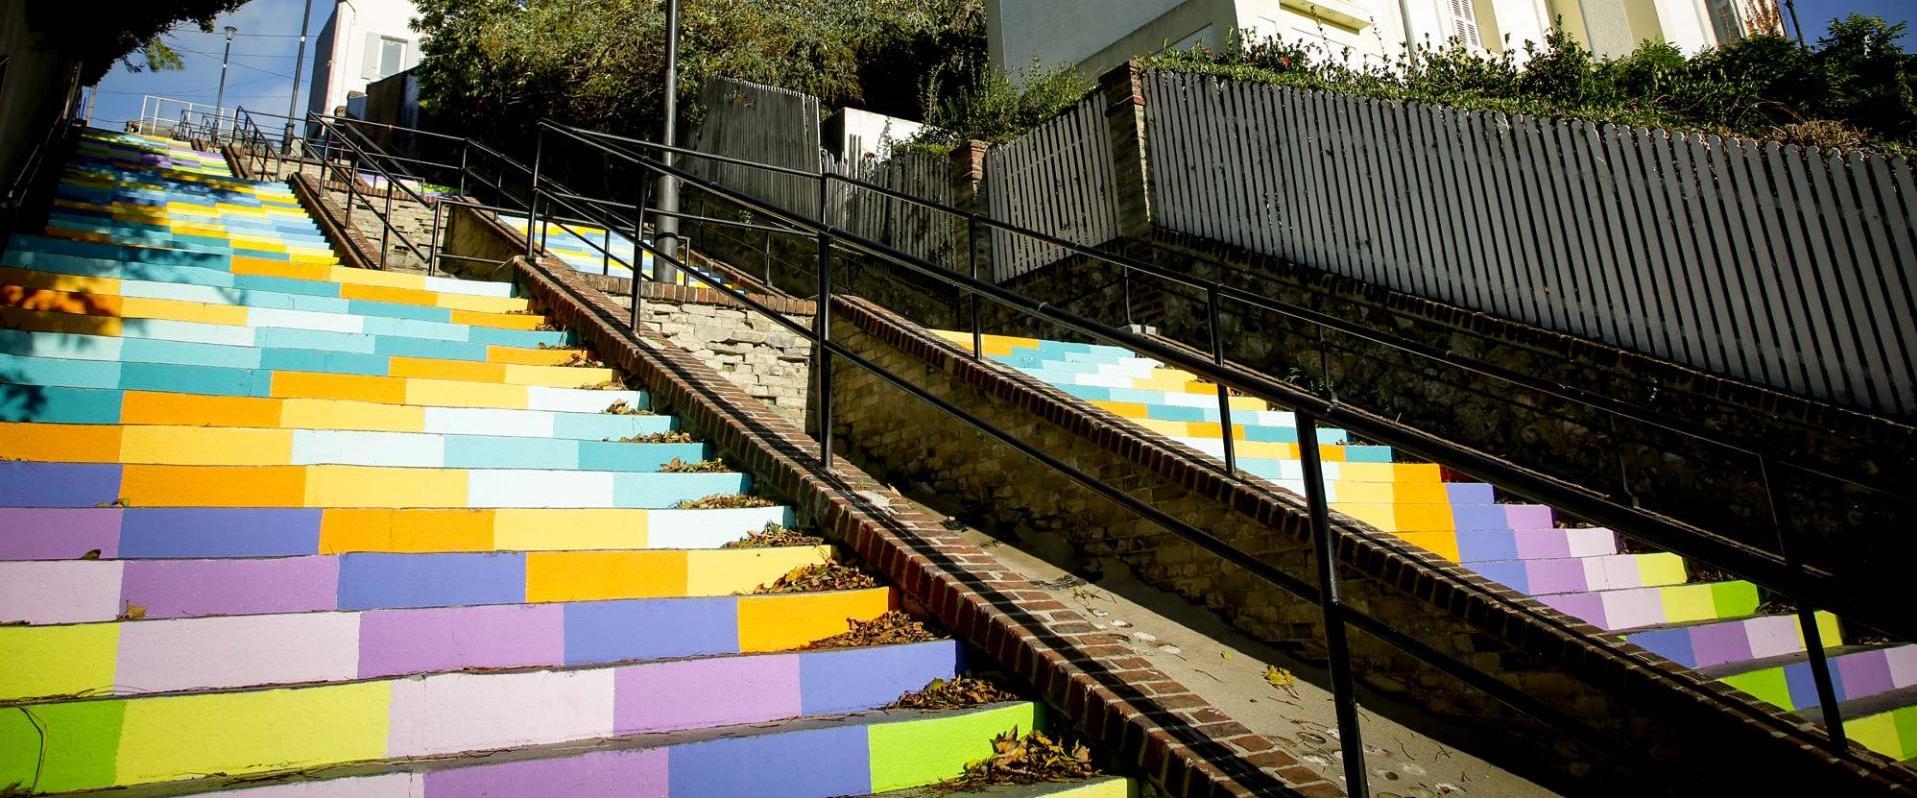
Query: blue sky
261, 76
263, 55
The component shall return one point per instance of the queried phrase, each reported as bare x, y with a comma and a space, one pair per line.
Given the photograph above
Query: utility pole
299, 65
666, 223
219, 100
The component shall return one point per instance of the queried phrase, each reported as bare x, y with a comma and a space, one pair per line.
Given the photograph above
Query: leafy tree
100, 34
494, 67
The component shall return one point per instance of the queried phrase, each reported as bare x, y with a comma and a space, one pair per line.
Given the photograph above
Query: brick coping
1136, 714
1580, 649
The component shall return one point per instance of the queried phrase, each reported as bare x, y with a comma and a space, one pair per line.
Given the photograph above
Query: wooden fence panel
1790, 268
1058, 180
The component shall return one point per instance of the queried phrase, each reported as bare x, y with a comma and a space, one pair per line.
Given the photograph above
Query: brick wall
1662, 719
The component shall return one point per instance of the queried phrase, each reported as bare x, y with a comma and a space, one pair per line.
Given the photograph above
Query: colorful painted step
98, 743
1854, 675
179, 655
1581, 572
212, 533
21, 402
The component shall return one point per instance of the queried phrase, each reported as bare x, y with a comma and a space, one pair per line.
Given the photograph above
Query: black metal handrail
1337, 615
1771, 568
1308, 407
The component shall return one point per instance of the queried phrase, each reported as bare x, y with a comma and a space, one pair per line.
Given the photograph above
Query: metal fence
1775, 264
1058, 179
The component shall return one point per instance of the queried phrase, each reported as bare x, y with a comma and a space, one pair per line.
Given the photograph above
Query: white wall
343, 66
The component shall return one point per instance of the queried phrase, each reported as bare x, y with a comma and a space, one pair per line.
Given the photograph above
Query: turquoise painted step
56, 405
228, 335
122, 349
215, 381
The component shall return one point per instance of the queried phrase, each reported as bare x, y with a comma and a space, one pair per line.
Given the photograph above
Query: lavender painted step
857, 754
1538, 577
1787, 683
28, 533
1637, 608
1707, 645
87, 590
1485, 545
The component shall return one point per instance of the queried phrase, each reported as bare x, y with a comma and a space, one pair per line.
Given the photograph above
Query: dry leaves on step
725, 501
1281, 679
820, 576
773, 536
1028, 760
955, 693
673, 436
892, 627
620, 407
678, 466
583, 360
133, 612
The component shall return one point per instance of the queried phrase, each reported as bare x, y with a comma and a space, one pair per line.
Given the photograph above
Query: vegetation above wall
99, 34
991, 108
1852, 89
493, 67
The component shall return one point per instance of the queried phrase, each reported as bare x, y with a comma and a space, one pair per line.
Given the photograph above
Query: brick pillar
968, 192
1125, 128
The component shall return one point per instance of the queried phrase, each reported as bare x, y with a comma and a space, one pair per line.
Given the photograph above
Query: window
392, 56
384, 56
1464, 22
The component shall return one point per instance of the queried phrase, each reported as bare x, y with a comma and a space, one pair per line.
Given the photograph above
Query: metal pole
299, 66
219, 99
1807, 623
1224, 394
465, 146
971, 261
821, 359
386, 219
667, 224
532, 197
638, 249
432, 261
1337, 648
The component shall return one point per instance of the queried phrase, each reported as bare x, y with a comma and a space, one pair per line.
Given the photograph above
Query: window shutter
1464, 22
369, 58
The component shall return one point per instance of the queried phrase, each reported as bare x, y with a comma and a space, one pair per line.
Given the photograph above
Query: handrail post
532, 197
386, 231
465, 147
638, 248
821, 333
432, 260
1807, 624
605, 253
1224, 394
971, 262
1337, 647
770, 286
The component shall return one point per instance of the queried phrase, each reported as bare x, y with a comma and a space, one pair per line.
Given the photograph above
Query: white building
364, 41
1096, 35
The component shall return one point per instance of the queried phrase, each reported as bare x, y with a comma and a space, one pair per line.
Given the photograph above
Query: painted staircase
1655, 600
269, 524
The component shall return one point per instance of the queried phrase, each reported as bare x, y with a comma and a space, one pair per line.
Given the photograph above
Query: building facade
365, 41
1096, 35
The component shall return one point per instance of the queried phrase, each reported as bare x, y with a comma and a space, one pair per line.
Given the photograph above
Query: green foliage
993, 109
1853, 88
99, 34
494, 68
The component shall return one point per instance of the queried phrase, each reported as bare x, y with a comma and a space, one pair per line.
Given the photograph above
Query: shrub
1853, 88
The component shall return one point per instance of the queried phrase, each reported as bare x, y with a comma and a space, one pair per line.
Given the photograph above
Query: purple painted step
1486, 545
1707, 645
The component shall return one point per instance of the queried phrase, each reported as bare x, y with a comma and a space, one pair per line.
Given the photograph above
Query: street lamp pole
219, 100
299, 64
666, 223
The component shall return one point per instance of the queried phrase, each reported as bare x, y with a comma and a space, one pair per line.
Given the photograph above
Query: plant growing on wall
1854, 87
